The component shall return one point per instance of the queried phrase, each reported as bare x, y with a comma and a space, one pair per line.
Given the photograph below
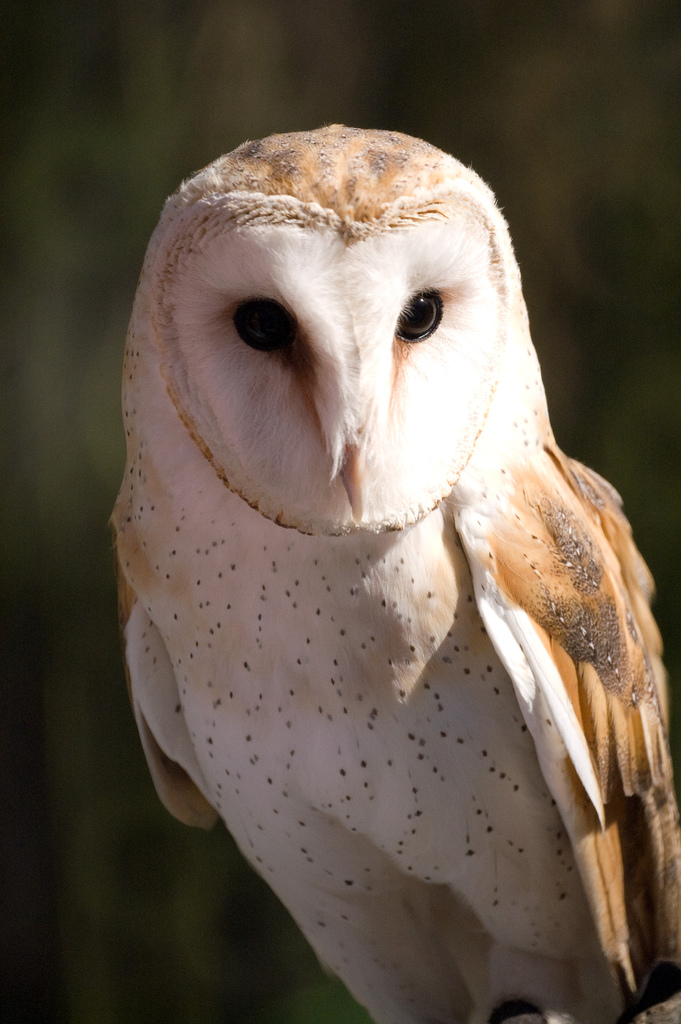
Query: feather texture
155, 700
559, 566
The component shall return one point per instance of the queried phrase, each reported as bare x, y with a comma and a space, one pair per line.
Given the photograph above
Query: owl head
332, 313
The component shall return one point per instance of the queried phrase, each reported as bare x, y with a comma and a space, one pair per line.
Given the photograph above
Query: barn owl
373, 617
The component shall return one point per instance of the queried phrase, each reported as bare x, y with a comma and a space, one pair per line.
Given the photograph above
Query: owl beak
351, 473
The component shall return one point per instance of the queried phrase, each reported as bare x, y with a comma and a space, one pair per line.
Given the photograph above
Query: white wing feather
165, 738
539, 688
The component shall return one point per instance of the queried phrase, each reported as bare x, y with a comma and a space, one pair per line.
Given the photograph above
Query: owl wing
564, 595
155, 700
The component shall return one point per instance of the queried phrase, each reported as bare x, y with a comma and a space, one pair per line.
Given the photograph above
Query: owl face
336, 370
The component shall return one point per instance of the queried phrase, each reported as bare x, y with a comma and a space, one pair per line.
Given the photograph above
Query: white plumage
372, 616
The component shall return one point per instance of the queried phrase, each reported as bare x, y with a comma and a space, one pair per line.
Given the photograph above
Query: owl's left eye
264, 325
420, 317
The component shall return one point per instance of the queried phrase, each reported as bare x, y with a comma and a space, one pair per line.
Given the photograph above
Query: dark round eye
264, 325
420, 318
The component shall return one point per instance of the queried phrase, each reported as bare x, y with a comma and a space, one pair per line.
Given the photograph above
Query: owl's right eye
264, 325
420, 318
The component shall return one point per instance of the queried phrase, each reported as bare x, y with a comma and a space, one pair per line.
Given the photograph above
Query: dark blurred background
110, 910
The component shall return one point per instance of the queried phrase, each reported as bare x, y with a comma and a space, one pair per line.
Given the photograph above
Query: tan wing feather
567, 558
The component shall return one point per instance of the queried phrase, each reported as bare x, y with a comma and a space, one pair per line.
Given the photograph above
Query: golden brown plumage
565, 555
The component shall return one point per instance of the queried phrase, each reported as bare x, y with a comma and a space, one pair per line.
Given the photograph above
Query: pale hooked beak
352, 473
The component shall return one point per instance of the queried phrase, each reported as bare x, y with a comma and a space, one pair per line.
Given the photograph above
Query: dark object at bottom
664, 1013
668, 1012
660, 1001
517, 1011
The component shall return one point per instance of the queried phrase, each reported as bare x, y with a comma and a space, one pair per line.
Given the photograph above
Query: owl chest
351, 677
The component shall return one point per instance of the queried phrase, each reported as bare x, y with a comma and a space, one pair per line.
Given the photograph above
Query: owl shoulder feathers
565, 594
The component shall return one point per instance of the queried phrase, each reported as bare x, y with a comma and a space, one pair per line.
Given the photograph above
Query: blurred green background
110, 910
